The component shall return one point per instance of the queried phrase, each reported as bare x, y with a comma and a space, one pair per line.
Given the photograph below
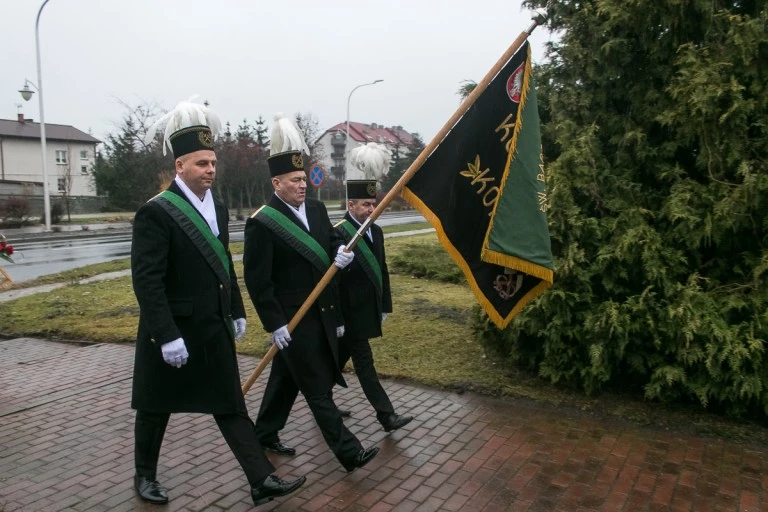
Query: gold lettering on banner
543, 201
508, 125
477, 176
493, 191
483, 180
543, 197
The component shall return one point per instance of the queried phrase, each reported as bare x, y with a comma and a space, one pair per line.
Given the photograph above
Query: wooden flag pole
396, 189
6, 283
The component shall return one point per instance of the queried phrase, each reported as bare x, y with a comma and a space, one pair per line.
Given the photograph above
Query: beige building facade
70, 157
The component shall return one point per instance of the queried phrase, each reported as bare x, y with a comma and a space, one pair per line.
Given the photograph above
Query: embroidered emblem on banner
515, 84
508, 283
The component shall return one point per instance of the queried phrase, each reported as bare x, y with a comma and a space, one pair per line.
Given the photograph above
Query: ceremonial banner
484, 191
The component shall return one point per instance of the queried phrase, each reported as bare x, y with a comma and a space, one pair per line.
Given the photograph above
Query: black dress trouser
276, 404
237, 430
362, 358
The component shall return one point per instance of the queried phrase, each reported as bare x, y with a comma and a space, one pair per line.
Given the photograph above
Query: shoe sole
398, 427
152, 502
278, 452
263, 501
352, 468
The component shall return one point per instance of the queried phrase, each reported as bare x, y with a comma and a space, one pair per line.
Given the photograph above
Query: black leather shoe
363, 457
279, 447
345, 413
395, 421
274, 487
150, 490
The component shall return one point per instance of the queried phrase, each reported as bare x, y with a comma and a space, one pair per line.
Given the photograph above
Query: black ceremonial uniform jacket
361, 305
180, 296
279, 279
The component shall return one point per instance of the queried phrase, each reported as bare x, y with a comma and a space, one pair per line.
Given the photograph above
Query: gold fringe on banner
510, 155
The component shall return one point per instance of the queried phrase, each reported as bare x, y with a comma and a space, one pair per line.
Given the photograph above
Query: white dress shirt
300, 212
358, 225
205, 207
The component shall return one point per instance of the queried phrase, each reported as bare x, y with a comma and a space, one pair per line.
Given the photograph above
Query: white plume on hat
371, 160
185, 114
286, 136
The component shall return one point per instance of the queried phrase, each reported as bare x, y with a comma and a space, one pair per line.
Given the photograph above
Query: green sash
368, 261
198, 231
294, 236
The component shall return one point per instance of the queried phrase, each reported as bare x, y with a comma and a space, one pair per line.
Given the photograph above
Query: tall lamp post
26, 93
346, 141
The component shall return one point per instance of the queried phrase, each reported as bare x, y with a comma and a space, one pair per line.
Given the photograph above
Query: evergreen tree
402, 158
654, 120
224, 149
128, 171
260, 176
465, 89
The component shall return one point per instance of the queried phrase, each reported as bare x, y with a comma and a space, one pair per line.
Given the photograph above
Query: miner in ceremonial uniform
366, 299
290, 243
191, 312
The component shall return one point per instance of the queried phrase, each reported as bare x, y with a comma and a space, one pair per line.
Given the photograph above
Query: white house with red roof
70, 156
333, 148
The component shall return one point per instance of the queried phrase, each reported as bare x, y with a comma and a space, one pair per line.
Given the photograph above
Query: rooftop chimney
20, 115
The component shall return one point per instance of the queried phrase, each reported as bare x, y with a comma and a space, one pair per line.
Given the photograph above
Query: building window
83, 155
61, 156
62, 184
84, 169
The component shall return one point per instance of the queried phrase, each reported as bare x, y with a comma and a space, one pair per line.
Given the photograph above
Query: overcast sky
251, 58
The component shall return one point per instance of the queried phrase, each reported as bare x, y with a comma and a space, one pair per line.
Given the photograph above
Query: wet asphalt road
43, 255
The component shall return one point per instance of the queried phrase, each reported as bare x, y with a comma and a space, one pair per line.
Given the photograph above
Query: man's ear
275, 182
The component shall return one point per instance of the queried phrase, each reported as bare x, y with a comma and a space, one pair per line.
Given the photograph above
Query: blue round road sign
316, 175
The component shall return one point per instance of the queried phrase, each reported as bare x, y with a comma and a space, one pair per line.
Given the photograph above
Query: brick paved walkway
66, 444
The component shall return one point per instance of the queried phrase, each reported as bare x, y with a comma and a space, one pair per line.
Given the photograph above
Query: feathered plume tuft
286, 136
186, 113
372, 160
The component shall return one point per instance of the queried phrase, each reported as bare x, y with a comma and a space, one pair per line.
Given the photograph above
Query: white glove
175, 352
343, 258
281, 337
239, 328
384, 317
340, 331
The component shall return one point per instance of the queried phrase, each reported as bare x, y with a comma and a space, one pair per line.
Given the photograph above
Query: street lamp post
346, 141
26, 93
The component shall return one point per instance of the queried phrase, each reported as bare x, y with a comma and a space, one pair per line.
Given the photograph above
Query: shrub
57, 211
15, 211
655, 156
